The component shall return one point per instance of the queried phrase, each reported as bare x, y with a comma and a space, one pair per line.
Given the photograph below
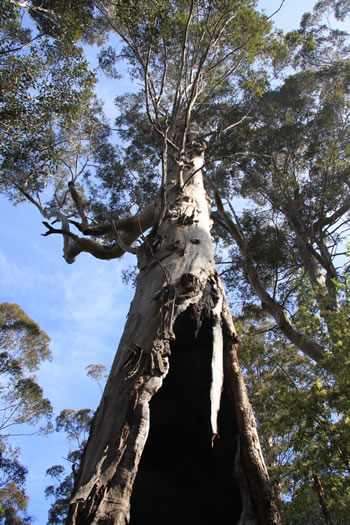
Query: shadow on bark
182, 478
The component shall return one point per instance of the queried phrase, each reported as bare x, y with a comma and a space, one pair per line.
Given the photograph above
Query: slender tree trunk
320, 492
310, 348
202, 461
313, 263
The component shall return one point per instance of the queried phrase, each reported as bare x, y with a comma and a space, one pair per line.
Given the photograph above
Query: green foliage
75, 424
319, 41
53, 128
303, 416
47, 139
61, 492
23, 347
97, 373
13, 498
290, 161
302, 411
67, 20
300, 128
43, 86
331, 328
223, 40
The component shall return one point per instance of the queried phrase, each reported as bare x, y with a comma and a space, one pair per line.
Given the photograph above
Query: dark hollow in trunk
182, 478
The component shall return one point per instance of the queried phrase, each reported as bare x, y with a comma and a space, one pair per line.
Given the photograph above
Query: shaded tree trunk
320, 493
202, 461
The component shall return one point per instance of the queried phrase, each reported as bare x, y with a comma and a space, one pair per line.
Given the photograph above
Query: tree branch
127, 224
132, 228
78, 203
19, 48
120, 243
29, 197
316, 227
310, 348
62, 231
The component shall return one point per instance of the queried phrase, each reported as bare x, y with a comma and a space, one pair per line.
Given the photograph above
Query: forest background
82, 306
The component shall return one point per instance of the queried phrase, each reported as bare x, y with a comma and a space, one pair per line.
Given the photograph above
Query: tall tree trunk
202, 461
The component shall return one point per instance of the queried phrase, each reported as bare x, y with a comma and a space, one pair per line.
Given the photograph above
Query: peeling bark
177, 280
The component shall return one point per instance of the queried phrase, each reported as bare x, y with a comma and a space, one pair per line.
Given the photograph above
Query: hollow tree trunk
202, 461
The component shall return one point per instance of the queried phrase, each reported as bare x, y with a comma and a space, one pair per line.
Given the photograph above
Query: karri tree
291, 161
190, 453
202, 443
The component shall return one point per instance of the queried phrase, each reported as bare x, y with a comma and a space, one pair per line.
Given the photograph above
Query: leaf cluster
289, 162
13, 497
43, 86
67, 20
302, 417
318, 41
75, 424
23, 348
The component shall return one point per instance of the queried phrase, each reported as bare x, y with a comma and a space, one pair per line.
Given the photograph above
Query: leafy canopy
23, 347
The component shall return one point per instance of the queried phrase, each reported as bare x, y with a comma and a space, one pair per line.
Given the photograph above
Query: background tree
13, 497
23, 348
290, 251
76, 425
302, 417
294, 169
290, 161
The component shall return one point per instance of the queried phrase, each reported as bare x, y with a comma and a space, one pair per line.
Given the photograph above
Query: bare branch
275, 12
183, 57
127, 224
132, 228
29, 197
62, 231
165, 70
20, 48
120, 243
316, 227
78, 203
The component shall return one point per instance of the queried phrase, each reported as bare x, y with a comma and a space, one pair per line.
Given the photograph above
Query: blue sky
82, 306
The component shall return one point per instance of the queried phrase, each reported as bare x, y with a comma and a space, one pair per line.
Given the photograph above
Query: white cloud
18, 276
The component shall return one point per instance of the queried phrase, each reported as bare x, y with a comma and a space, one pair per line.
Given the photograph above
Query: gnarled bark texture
202, 462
